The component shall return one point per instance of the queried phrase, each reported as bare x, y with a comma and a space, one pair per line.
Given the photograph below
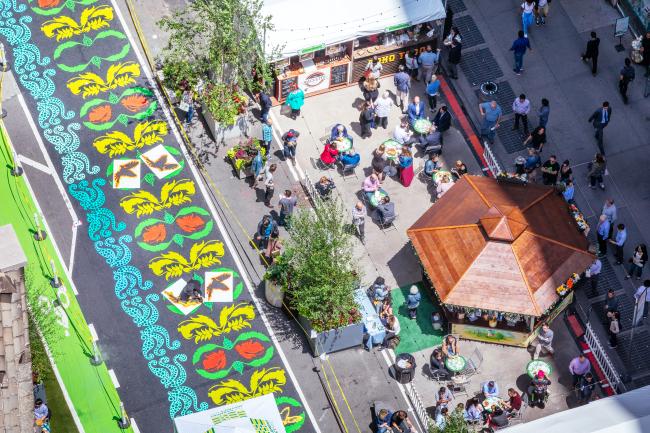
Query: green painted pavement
417, 334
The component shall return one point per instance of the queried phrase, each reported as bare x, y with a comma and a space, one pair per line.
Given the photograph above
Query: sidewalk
553, 70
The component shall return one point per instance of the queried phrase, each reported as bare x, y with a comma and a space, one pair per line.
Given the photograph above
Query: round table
537, 364
343, 144
392, 149
490, 402
378, 195
421, 126
437, 176
455, 363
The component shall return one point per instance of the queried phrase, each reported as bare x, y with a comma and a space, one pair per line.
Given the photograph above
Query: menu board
339, 75
286, 86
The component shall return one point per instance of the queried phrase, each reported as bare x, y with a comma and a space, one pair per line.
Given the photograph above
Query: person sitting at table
386, 210
450, 346
402, 134
443, 186
325, 186
473, 412
514, 402
370, 185
383, 421
459, 169
379, 292
392, 330
432, 164
538, 390
490, 389
497, 419
437, 364
329, 155
338, 132
350, 158
430, 143
401, 422
443, 398
406, 167
416, 110
386, 310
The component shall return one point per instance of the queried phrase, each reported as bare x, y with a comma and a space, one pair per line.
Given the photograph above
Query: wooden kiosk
502, 257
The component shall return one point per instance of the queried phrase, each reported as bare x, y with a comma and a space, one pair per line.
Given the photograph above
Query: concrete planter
273, 293
221, 134
334, 339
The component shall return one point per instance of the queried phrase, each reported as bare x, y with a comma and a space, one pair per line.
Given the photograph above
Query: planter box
244, 172
221, 134
333, 340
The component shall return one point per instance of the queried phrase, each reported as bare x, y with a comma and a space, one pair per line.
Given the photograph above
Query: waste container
404, 367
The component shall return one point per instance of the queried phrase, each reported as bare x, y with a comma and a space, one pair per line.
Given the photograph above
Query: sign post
622, 25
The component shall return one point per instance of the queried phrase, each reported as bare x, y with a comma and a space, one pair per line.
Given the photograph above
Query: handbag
184, 106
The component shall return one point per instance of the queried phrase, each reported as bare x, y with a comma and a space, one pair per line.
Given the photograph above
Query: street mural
145, 216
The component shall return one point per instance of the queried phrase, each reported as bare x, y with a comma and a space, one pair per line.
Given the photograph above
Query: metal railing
492, 162
604, 361
420, 411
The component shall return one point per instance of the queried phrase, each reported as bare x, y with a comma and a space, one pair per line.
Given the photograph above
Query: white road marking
222, 229
277, 134
37, 165
73, 248
411, 409
134, 426
111, 373
93, 332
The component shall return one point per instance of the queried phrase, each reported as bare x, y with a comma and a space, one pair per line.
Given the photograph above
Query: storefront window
640, 8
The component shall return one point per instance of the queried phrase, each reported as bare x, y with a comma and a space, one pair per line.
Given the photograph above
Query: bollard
55, 281
97, 357
39, 234
17, 169
124, 422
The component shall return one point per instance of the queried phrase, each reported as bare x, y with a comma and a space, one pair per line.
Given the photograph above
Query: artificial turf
416, 334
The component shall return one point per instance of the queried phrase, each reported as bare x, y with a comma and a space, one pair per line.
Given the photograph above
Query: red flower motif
214, 361
47, 3
249, 349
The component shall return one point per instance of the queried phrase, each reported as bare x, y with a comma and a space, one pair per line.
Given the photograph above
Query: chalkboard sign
339, 75
286, 86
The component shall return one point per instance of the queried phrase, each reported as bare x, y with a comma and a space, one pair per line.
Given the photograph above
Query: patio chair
348, 170
459, 384
519, 415
386, 225
476, 359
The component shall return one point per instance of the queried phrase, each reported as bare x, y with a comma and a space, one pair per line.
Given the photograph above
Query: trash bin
404, 367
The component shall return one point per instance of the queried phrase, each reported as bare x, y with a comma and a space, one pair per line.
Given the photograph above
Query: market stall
502, 257
320, 46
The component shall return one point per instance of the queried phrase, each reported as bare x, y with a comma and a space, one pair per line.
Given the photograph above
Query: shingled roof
499, 246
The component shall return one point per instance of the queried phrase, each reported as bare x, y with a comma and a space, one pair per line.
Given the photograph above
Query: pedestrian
290, 142
611, 303
527, 15
265, 105
593, 273
566, 172
519, 47
569, 191
521, 107
266, 228
267, 135
373, 68
619, 242
544, 341
295, 100
602, 233
543, 113
578, 367
637, 262
269, 187
256, 166
383, 108
614, 329
532, 163
432, 92
41, 415
645, 50
359, 220
402, 82
609, 209
491, 112
453, 36
428, 61
366, 119
597, 171
550, 170
536, 139
287, 204
442, 120
187, 100
626, 77
643, 295
541, 11
453, 58
591, 53
411, 64
587, 389
370, 90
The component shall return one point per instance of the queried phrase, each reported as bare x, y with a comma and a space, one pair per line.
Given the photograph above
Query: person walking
187, 100
442, 120
428, 61
295, 100
541, 11
269, 186
611, 303
287, 204
543, 113
370, 90
619, 242
382, 109
544, 341
527, 15
593, 273
609, 209
591, 53
597, 171
359, 220
614, 329
578, 367
366, 118
637, 262
521, 107
600, 119
257, 164
267, 136
602, 234
519, 47
626, 77
432, 92
643, 295
265, 105
453, 58
491, 112
411, 64
402, 82
290, 142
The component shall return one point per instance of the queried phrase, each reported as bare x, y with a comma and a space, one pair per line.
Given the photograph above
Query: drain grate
513, 141
469, 31
456, 6
480, 66
504, 97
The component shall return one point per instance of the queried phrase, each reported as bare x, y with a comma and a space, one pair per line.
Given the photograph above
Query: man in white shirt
644, 290
402, 134
521, 107
594, 273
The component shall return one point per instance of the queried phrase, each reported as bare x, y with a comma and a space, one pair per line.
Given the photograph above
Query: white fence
604, 362
420, 410
493, 164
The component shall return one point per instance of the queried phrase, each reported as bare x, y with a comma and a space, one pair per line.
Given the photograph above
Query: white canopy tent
301, 26
248, 416
624, 413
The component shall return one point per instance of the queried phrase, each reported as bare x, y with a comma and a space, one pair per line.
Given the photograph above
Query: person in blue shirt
256, 166
532, 161
427, 61
432, 165
350, 158
519, 47
490, 389
569, 191
432, 92
267, 135
402, 82
383, 421
474, 411
602, 233
413, 301
619, 241
491, 112
339, 131
416, 110
441, 418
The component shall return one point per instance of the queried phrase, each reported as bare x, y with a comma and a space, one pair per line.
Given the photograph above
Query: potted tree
320, 261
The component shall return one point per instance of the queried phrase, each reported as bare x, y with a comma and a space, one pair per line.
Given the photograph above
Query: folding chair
387, 224
458, 385
348, 170
476, 359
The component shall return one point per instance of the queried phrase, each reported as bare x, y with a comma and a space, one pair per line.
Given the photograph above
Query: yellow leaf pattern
117, 143
202, 255
203, 328
262, 382
91, 84
173, 193
64, 27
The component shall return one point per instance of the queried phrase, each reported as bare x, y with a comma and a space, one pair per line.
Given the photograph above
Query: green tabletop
393, 149
455, 363
490, 402
343, 144
437, 176
535, 365
378, 195
421, 126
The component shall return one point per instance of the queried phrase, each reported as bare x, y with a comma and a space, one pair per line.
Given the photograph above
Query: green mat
418, 334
